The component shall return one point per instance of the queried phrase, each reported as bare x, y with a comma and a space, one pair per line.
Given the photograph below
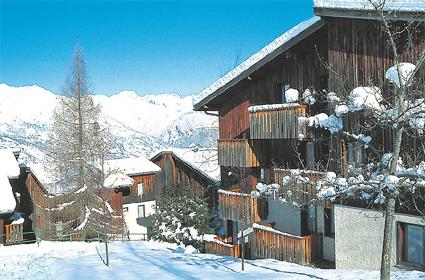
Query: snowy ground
150, 260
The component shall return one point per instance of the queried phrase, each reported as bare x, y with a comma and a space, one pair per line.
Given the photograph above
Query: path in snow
151, 260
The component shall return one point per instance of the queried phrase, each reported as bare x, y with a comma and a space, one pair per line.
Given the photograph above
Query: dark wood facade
44, 209
149, 188
177, 174
271, 144
359, 53
344, 53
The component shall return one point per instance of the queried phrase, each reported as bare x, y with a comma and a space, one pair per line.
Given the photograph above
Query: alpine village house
30, 210
261, 142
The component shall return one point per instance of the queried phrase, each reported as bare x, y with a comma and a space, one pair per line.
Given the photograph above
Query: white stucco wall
137, 231
286, 218
359, 235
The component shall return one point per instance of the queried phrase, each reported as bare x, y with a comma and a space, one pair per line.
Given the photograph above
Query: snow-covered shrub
181, 217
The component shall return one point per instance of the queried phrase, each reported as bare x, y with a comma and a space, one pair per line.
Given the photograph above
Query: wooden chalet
143, 172
261, 139
51, 213
140, 187
178, 174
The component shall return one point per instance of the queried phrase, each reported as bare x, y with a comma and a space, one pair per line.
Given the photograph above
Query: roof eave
368, 14
143, 173
203, 104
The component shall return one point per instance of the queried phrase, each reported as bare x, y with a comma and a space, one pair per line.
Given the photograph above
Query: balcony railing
298, 185
241, 207
14, 233
145, 221
236, 153
277, 121
273, 244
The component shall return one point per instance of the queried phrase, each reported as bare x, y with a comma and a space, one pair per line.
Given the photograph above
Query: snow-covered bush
181, 217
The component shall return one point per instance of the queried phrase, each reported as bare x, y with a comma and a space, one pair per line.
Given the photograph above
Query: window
262, 174
411, 244
125, 209
141, 211
283, 89
140, 189
329, 222
310, 154
311, 220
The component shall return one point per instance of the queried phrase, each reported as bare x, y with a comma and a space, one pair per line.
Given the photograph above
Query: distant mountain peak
140, 124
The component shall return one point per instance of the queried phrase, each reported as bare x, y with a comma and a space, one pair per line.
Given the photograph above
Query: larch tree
76, 153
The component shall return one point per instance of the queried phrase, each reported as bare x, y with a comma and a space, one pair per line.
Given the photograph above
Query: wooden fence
236, 153
273, 244
14, 233
241, 207
220, 248
274, 122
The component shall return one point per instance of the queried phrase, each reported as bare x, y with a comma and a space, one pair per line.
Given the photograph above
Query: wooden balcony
269, 243
277, 121
236, 153
241, 207
300, 185
218, 247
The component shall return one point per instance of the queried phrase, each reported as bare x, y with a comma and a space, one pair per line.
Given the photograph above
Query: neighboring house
178, 174
138, 203
261, 140
12, 221
51, 212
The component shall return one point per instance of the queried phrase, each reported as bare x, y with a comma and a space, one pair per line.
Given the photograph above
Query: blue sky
148, 46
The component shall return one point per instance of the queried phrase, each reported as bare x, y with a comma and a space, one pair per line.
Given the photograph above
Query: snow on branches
181, 218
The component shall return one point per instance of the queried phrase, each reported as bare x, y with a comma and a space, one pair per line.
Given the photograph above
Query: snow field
153, 260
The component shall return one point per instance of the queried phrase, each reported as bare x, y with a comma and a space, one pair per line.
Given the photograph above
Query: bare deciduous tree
77, 149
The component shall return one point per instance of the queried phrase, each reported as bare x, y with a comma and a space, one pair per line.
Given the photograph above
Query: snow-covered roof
8, 164
133, 166
7, 200
279, 45
414, 7
9, 169
41, 174
117, 180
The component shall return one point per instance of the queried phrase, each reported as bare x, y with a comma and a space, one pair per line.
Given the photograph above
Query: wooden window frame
401, 245
140, 184
144, 211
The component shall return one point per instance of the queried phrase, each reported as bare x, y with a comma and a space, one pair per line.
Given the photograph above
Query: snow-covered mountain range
142, 125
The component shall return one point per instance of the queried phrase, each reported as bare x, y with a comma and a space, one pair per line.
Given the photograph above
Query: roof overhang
202, 105
368, 14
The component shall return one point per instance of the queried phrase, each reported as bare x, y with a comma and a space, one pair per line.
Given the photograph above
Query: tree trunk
106, 249
388, 236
